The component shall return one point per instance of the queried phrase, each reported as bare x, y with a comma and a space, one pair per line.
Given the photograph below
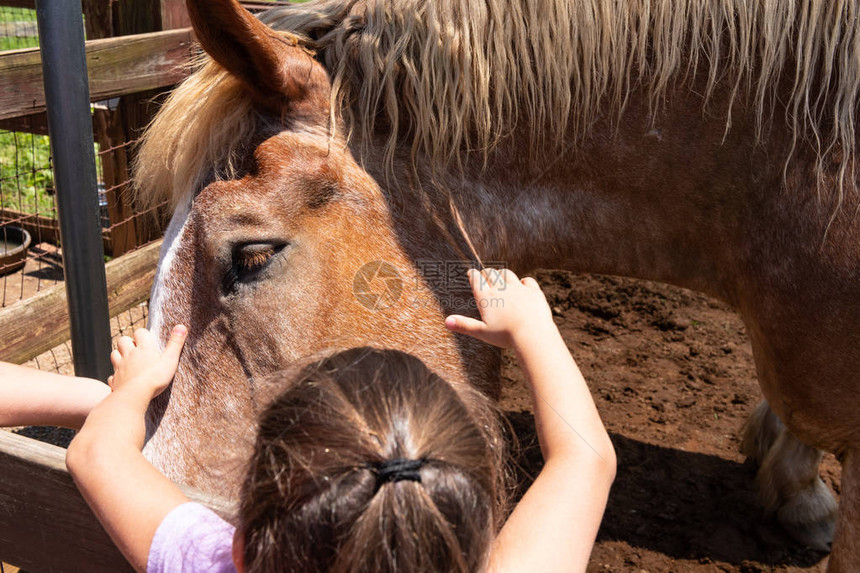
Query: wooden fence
45, 524
138, 47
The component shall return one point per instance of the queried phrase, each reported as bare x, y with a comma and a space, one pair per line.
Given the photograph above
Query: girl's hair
371, 462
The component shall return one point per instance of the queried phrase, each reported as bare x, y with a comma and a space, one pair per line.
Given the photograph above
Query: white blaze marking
172, 239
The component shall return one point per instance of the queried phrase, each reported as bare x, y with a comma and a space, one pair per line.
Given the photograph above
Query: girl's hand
510, 309
129, 495
140, 366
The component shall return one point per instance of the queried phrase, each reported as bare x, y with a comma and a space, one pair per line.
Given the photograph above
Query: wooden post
137, 110
97, 18
133, 113
174, 14
115, 178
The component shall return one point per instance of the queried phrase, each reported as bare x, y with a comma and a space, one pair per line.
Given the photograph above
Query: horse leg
788, 483
760, 432
845, 557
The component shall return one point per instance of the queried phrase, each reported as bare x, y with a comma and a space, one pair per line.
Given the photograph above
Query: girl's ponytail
371, 462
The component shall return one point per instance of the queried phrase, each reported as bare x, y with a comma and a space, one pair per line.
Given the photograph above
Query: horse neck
653, 199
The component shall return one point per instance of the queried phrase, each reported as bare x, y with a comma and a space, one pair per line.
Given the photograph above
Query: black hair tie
398, 469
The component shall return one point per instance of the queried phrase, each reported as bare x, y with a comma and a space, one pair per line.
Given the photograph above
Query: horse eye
248, 260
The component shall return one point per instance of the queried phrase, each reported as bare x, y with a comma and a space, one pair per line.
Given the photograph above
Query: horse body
262, 264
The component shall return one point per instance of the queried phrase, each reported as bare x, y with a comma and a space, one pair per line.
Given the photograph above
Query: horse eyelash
247, 261
250, 261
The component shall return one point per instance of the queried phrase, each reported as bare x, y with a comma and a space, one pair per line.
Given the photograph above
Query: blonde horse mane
451, 78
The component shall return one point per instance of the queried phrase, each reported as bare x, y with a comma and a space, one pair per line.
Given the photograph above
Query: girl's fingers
494, 278
143, 339
110, 381
125, 345
479, 284
464, 325
530, 282
509, 277
174, 344
485, 280
115, 358
475, 279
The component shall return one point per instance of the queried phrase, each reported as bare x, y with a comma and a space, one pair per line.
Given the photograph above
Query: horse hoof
818, 536
810, 517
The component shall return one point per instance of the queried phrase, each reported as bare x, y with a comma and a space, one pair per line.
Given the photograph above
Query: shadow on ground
682, 504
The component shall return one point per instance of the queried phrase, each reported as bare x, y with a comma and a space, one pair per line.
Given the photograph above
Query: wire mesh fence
18, 28
59, 358
30, 245
30, 242
29, 253
127, 223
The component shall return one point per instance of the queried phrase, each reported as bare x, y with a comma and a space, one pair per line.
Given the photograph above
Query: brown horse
328, 175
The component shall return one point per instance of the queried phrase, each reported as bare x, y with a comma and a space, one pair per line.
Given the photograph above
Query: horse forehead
296, 152
285, 166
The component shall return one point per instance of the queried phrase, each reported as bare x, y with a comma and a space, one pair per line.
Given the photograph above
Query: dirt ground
42, 270
672, 374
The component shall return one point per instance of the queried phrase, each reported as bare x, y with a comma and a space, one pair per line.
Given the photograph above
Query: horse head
281, 246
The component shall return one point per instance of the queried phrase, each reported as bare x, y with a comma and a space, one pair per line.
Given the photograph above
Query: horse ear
278, 72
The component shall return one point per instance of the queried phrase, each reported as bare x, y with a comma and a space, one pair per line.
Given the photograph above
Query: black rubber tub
14, 242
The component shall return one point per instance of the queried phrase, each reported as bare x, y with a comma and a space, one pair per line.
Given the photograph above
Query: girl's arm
554, 526
127, 494
30, 397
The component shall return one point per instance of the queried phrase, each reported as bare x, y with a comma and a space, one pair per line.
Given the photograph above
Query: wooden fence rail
30, 4
250, 4
116, 66
37, 324
45, 524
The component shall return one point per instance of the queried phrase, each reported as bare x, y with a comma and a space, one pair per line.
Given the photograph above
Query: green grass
25, 172
18, 43
8, 15
17, 14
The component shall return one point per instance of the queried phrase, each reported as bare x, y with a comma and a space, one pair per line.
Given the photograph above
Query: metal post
64, 69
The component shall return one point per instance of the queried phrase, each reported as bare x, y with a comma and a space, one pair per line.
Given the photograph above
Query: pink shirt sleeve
192, 538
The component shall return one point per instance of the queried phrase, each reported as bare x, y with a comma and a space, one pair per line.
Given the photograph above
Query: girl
367, 462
